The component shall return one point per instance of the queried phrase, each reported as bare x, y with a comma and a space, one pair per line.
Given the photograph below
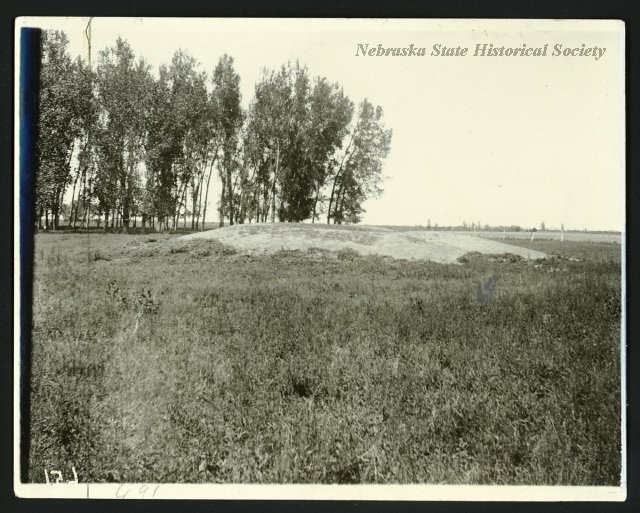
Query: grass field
160, 361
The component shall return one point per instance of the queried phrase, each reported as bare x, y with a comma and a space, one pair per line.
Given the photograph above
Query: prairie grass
160, 361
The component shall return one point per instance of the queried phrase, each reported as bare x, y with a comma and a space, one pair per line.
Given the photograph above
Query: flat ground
163, 360
614, 238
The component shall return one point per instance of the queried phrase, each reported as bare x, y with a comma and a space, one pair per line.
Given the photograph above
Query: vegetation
128, 143
161, 360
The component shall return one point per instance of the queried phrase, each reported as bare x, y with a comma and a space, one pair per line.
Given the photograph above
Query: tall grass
168, 362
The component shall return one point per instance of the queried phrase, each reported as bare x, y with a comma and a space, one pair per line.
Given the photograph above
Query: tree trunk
256, 201
221, 207
206, 195
281, 216
333, 190
338, 209
335, 179
124, 221
230, 196
275, 180
73, 200
125, 205
194, 206
315, 204
199, 210
81, 193
265, 202
87, 199
184, 205
60, 203
199, 200
175, 215
106, 220
54, 216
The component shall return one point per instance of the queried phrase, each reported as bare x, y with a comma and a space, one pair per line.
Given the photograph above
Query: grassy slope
160, 364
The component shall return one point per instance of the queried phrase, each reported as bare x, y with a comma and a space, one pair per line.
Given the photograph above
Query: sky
496, 140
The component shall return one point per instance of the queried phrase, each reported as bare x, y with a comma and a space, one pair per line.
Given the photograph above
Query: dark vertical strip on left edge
28, 105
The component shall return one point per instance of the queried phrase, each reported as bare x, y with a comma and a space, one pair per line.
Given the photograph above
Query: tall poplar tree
61, 104
124, 88
226, 95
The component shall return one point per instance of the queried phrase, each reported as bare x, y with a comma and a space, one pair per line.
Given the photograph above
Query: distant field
614, 238
157, 359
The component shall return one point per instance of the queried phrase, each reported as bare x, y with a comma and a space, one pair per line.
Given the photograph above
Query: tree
161, 148
267, 135
331, 112
62, 102
201, 136
124, 89
214, 142
294, 128
189, 129
294, 178
226, 96
136, 145
359, 174
87, 119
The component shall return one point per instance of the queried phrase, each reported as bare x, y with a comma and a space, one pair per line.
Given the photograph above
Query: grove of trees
118, 143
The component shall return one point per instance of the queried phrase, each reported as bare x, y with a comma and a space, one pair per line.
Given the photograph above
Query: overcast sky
499, 140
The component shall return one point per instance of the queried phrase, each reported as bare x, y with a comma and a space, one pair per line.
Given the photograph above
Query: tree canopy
128, 143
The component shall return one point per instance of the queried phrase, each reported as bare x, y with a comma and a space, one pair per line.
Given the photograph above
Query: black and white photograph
337, 258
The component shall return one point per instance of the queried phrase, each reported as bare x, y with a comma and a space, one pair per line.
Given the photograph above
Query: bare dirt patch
442, 247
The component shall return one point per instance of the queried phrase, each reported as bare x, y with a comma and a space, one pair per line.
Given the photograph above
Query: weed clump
142, 300
97, 255
348, 254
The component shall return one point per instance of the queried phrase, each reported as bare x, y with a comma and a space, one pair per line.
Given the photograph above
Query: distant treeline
124, 144
476, 226
458, 228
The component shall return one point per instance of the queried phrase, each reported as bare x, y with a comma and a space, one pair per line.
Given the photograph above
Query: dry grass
160, 360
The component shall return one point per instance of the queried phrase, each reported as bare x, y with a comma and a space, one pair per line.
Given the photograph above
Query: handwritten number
124, 495
142, 492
